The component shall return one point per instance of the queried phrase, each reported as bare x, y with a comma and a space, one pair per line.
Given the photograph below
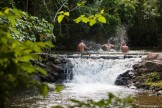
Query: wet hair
123, 43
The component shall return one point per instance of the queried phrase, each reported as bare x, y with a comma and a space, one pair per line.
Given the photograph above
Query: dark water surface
29, 100
148, 100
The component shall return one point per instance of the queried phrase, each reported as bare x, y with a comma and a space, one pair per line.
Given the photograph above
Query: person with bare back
107, 46
81, 46
124, 48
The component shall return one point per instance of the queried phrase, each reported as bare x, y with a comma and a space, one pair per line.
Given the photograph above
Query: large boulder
154, 56
123, 79
56, 68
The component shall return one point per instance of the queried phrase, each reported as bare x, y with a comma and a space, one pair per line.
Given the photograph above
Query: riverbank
146, 75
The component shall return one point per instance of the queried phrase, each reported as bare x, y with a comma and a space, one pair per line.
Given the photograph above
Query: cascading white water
87, 71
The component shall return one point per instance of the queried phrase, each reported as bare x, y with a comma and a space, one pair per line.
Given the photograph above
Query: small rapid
94, 78
103, 71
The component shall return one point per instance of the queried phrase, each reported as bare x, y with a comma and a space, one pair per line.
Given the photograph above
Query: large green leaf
77, 20
60, 18
59, 88
25, 58
92, 22
44, 89
85, 20
102, 19
66, 14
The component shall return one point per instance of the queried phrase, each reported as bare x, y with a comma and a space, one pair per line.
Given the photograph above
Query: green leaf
102, 19
82, 15
92, 22
48, 44
66, 13
1, 14
98, 15
44, 89
58, 107
26, 58
59, 88
60, 18
11, 78
79, 4
41, 71
85, 20
77, 101
41, 44
7, 10
100, 103
102, 11
36, 48
28, 68
91, 17
77, 20
61, 12
110, 95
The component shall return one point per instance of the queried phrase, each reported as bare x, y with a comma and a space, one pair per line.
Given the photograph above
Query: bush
16, 69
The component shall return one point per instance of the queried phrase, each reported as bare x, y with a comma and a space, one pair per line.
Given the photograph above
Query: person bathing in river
81, 46
108, 46
124, 48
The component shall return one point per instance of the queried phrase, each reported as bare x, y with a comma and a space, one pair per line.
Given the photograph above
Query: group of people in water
108, 47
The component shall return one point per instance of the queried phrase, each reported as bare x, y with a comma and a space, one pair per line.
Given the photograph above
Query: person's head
108, 41
123, 43
81, 41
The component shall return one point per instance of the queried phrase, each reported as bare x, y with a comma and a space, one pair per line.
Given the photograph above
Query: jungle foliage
79, 15
26, 27
16, 70
145, 30
99, 32
142, 19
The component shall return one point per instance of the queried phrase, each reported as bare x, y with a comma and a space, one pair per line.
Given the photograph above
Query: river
93, 78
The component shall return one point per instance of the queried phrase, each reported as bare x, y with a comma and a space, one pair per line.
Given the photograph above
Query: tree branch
54, 19
44, 2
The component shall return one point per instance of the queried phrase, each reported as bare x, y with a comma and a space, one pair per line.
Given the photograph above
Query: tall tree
144, 31
26, 5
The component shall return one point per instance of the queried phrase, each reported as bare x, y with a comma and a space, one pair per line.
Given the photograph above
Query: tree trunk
26, 5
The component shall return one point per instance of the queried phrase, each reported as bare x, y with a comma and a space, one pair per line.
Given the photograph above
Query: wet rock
154, 56
55, 67
142, 73
51, 86
160, 92
123, 79
132, 87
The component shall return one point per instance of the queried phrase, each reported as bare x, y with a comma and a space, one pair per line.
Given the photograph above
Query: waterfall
88, 71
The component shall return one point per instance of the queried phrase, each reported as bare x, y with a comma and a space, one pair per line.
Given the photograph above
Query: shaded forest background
142, 18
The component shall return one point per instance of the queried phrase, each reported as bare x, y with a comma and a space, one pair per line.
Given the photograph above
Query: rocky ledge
57, 68
145, 75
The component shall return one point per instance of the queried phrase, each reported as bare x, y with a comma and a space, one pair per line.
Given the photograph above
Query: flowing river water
92, 79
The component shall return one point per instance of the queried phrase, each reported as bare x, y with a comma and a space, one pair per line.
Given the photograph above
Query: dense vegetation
145, 30
142, 18
17, 49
